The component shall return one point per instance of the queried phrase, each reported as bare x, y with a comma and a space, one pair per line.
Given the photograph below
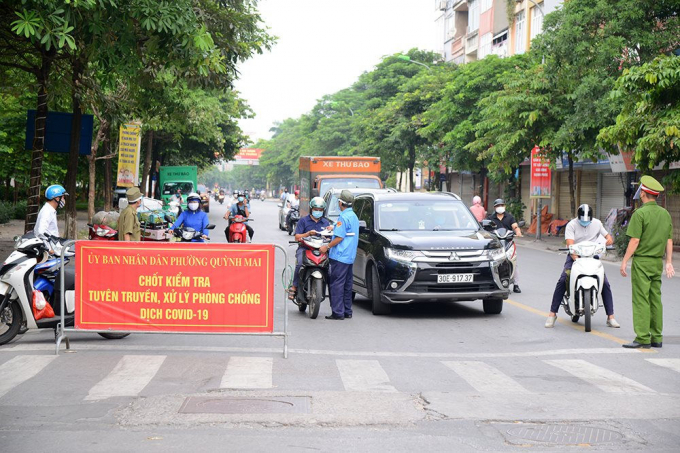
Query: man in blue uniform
343, 251
307, 226
193, 217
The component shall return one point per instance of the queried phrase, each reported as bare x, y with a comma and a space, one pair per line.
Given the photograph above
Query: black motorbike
293, 218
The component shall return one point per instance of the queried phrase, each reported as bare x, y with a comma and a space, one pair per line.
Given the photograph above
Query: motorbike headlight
187, 235
404, 256
100, 232
496, 254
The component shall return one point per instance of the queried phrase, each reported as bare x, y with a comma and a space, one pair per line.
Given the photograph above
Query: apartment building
528, 22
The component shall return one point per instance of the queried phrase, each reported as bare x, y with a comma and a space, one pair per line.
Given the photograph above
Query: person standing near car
343, 251
651, 234
506, 220
477, 209
129, 228
583, 228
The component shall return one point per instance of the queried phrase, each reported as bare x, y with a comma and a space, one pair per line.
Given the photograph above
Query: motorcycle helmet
498, 202
297, 192
54, 191
584, 215
193, 196
317, 202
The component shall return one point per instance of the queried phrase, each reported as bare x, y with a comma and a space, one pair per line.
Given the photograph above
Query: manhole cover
236, 405
565, 434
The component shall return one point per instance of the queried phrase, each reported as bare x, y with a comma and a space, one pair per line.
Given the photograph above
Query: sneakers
550, 322
611, 322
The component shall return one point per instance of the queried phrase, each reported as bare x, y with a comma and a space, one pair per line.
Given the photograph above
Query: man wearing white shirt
46, 223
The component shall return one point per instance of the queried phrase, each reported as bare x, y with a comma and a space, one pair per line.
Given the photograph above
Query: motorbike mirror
488, 225
280, 205
521, 223
210, 227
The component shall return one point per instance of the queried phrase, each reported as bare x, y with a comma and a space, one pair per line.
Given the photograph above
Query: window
484, 45
536, 20
450, 27
363, 208
473, 16
520, 39
486, 5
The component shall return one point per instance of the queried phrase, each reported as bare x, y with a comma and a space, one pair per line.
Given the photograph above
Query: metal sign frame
62, 330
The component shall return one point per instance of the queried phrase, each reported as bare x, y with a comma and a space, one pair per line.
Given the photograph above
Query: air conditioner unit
443, 5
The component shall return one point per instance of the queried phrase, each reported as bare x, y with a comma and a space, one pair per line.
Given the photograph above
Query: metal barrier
62, 329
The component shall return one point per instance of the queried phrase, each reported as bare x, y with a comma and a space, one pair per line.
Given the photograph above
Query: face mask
193, 206
62, 202
500, 210
317, 214
240, 198
584, 223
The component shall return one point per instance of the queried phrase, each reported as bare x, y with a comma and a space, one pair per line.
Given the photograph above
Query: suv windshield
348, 183
425, 215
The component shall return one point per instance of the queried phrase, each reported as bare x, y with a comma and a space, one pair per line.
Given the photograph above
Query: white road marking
603, 378
673, 364
248, 373
229, 349
364, 376
484, 378
131, 374
21, 368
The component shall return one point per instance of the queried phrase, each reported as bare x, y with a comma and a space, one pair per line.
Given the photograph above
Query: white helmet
317, 202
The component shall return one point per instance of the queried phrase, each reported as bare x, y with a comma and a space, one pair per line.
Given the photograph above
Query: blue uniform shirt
197, 220
346, 250
306, 224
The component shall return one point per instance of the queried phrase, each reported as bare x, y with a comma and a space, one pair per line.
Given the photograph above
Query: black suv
417, 247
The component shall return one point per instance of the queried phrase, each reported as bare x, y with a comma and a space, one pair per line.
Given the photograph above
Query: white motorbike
584, 282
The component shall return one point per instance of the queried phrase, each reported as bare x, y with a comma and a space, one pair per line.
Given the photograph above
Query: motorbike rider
284, 195
506, 220
583, 228
307, 226
295, 204
177, 196
46, 223
239, 208
193, 216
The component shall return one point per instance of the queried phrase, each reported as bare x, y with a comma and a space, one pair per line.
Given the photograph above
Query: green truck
172, 179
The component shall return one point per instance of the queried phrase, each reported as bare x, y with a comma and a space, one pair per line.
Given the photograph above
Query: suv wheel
379, 307
493, 306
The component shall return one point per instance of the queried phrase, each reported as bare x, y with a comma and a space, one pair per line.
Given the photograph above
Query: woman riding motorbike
193, 217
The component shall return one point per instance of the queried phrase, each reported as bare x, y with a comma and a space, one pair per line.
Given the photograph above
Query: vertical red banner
174, 287
540, 185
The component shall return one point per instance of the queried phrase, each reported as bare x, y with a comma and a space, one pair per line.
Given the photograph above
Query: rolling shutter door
565, 197
611, 194
588, 189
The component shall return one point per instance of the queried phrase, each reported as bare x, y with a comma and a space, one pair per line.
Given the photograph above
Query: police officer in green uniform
651, 234
129, 228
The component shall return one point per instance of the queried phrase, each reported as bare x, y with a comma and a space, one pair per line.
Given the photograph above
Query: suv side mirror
488, 225
362, 226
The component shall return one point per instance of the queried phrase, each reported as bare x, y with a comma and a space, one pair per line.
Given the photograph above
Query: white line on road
228, 349
248, 373
484, 378
131, 374
673, 364
20, 369
364, 376
603, 378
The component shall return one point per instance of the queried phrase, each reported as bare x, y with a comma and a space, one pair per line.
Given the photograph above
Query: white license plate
455, 278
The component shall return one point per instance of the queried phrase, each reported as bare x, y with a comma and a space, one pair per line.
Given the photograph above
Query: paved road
436, 377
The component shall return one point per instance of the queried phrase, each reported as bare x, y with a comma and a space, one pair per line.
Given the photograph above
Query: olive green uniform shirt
652, 225
128, 223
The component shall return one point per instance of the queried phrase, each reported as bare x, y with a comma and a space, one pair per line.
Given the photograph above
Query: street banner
129, 144
248, 156
540, 175
174, 287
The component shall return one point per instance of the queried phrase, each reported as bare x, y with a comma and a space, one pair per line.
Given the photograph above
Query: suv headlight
496, 254
404, 256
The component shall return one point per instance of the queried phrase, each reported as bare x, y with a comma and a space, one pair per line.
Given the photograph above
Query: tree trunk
92, 167
72, 170
572, 186
411, 185
146, 169
108, 189
35, 178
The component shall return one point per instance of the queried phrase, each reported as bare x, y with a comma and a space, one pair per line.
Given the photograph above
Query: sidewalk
553, 244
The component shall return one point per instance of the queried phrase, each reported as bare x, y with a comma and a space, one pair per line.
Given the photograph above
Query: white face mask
500, 210
193, 206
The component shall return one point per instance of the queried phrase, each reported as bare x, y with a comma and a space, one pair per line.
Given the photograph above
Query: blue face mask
317, 214
240, 198
584, 223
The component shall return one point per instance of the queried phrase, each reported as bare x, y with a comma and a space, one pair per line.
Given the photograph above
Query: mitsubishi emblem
453, 256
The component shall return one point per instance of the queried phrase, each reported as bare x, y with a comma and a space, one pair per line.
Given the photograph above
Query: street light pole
407, 58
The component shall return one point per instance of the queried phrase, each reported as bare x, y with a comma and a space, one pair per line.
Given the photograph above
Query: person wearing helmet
506, 220
477, 209
193, 216
239, 208
583, 228
307, 226
343, 251
46, 223
295, 204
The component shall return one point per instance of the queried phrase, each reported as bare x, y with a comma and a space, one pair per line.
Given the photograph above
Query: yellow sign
129, 143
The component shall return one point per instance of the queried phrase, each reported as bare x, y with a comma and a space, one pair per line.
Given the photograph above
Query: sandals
292, 294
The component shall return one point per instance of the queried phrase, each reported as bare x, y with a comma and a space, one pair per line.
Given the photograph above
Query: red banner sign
249, 154
174, 287
540, 175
